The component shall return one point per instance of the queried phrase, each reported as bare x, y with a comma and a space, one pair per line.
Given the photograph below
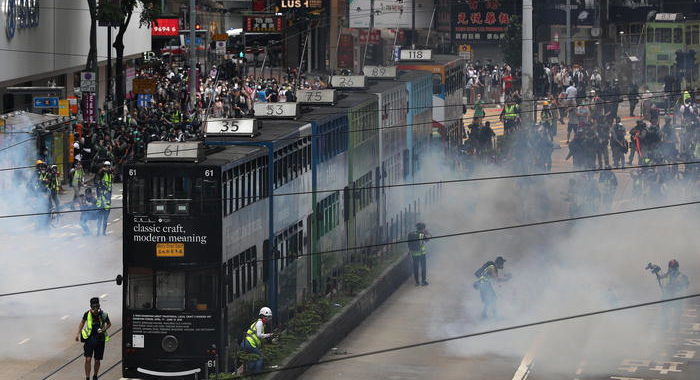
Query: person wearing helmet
54, 186
42, 176
417, 248
490, 272
252, 342
673, 284
104, 197
548, 121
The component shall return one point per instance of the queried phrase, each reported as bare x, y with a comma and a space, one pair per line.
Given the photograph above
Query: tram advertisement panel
159, 239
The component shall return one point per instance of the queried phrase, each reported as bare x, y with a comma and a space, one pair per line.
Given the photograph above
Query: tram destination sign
326, 96
231, 127
276, 110
349, 81
380, 72
416, 55
175, 151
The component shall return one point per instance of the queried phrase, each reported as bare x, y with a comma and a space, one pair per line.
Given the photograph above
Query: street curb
340, 325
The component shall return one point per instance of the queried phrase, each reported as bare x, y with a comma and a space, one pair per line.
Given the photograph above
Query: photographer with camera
673, 284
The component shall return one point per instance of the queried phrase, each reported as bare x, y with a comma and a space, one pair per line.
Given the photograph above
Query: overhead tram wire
426, 183
450, 235
487, 332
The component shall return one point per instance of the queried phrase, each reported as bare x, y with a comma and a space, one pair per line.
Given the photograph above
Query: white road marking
63, 318
23, 341
104, 295
116, 220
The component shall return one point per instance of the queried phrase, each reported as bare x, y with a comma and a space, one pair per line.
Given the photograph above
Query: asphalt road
38, 329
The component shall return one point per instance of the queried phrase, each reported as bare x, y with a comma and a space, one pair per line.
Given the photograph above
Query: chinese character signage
263, 24
481, 20
165, 27
89, 107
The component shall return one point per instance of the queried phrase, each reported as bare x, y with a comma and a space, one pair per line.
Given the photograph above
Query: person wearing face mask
93, 332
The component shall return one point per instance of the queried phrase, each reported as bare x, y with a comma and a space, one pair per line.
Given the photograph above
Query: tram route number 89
378, 71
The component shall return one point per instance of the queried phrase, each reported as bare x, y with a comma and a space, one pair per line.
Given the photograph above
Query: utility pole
108, 93
413, 24
568, 32
193, 56
528, 105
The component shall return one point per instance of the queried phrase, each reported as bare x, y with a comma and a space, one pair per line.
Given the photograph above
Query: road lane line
116, 220
63, 318
104, 295
23, 341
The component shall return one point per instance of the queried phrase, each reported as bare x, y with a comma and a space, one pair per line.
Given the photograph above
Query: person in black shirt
93, 332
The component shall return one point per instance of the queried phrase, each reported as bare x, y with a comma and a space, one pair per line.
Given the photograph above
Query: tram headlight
182, 208
169, 343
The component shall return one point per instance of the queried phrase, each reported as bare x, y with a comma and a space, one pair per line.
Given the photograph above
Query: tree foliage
118, 13
511, 44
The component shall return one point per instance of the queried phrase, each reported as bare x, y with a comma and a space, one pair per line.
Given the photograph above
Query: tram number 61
209, 173
211, 363
169, 151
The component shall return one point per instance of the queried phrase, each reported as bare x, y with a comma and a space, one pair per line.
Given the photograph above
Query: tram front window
140, 289
173, 290
170, 290
172, 195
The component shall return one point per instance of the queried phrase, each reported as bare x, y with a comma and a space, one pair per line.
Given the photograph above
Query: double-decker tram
195, 244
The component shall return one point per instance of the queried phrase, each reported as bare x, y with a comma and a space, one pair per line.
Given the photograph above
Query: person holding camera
673, 284
92, 331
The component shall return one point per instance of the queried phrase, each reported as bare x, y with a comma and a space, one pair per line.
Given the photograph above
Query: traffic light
680, 60
690, 59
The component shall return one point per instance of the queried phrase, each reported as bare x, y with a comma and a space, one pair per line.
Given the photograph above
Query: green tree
118, 13
512, 43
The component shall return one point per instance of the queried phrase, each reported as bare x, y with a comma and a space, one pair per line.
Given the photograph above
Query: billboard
165, 27
390, 13
481, 21
263, 24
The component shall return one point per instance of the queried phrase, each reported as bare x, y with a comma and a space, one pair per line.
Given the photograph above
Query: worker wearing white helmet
252, 343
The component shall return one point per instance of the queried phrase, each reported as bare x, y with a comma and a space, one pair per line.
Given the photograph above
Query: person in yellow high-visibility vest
509, 116
93, 332
252, 342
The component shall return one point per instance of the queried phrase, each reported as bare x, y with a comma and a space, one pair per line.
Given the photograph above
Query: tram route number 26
346, 82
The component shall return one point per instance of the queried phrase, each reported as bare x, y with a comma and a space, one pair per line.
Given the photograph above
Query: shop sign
480, 20
22, 14
263, 24
165, 27
89, 107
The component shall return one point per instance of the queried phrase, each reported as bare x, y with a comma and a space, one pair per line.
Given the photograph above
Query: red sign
165, 27
480, 20
345, 51
263, 24
374, 38
553, 45
89, 107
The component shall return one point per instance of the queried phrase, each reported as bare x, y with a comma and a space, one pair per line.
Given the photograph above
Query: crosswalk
491, 116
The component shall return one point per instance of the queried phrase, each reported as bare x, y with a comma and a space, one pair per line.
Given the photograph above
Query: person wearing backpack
486, 275
417, 248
